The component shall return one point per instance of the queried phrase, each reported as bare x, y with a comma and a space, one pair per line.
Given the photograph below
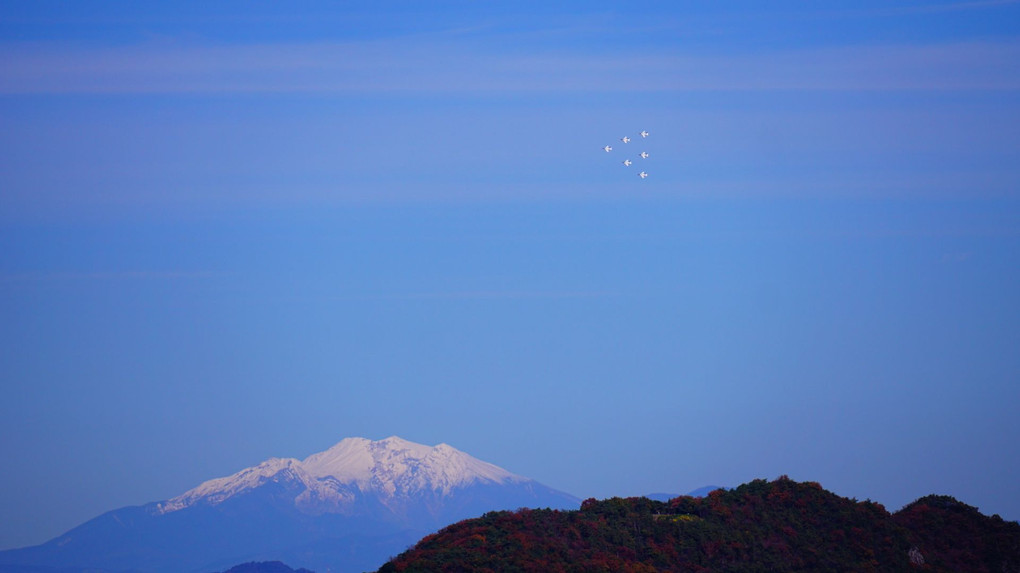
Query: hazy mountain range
348, 508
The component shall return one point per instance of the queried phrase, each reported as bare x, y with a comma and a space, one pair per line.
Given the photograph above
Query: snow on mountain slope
217, 490
345, 509
398, 467
333, 479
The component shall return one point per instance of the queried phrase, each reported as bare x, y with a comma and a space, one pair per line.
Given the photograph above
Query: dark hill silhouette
955, 533
762, 526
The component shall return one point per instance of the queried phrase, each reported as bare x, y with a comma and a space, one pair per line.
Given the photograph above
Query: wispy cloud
907, 11
484, 295
105, 276
444, 296
401, 66
953, 7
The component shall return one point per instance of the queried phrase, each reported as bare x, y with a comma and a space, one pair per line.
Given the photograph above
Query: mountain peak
396, 441
389, 468
347, 508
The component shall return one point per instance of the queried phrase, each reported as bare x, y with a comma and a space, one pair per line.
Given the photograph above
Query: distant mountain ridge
344, 509
264, 567
700, 492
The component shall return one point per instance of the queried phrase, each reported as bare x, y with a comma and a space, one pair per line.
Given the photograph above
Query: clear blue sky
246, 230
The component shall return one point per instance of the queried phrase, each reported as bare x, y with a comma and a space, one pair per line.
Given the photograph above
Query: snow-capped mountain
344, 509
391, 470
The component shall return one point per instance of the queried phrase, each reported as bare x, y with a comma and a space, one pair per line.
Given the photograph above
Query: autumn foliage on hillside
763, 526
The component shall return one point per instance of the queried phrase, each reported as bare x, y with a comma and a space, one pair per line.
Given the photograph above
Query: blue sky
247, 230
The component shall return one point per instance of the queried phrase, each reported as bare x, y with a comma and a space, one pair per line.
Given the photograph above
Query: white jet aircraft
625, 139
644, 155
644, 134
607, 149
626, 162
642, 175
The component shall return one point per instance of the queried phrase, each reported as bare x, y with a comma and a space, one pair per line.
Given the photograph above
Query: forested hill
780, 525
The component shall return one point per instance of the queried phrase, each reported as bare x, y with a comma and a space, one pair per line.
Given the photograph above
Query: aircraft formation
627, 162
